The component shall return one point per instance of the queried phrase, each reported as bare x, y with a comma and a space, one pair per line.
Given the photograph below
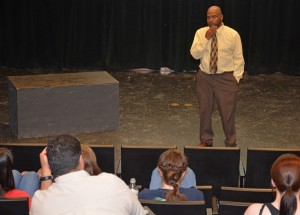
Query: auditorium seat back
139, 161
259, 163
208, 194
175, 208
216, 166
232, 208
27, 156
14, 206
239, 194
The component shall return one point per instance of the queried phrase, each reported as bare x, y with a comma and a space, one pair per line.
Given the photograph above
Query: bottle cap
132, 180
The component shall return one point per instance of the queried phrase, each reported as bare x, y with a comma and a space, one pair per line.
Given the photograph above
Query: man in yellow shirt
219, 49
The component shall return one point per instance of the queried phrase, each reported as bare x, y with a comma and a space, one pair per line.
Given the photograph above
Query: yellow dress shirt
230, 51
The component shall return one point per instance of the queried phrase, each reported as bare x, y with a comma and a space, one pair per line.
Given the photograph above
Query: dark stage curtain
54, 33
117, 35
274, 42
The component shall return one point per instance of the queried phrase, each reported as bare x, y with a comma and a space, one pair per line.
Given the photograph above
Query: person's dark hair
90, 160
6, 176
173, 164
285, 173
63, 154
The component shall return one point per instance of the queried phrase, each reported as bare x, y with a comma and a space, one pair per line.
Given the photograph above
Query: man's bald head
215, 9
214, 16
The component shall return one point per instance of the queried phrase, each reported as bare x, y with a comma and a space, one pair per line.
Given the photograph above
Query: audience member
189, 179
7, 183
90, 164
285, 178
172, 165
90, 160
74, 191
26, 181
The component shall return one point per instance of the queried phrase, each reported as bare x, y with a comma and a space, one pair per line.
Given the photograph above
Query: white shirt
82, 194
230, 52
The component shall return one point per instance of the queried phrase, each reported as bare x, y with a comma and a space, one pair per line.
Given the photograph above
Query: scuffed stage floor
158, 109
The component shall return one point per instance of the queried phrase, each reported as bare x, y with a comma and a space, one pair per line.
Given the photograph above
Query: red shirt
18, 194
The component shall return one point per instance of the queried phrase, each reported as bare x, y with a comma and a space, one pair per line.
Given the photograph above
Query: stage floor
157, 109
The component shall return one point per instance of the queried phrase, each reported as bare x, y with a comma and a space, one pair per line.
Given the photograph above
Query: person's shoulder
155, 171
106, 174
189, 171
253, 209
202, 30
107, 177
230, 30
109, 180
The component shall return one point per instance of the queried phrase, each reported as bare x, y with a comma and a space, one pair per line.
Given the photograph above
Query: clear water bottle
132, 186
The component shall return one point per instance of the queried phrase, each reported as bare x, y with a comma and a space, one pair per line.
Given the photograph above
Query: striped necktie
213, 64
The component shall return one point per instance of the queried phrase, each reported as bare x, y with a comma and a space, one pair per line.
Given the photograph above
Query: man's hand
211, 32
45, 169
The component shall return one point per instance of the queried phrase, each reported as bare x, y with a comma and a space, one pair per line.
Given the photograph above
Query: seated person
90, 164
74, 190
90, 160
285, 178
189, 179
172, 166
7, 183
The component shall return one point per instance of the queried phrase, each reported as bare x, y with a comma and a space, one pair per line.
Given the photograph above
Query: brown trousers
221, 89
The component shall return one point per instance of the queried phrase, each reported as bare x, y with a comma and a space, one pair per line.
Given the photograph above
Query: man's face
214, 17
